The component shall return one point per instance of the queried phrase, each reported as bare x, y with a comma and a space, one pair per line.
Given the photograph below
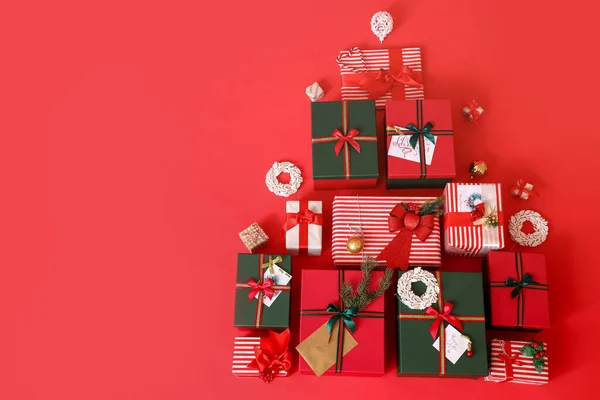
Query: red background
135, 136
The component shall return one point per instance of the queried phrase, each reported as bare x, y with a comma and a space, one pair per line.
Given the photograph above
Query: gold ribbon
269, 264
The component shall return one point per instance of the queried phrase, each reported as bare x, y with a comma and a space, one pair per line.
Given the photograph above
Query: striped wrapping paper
371, 214
467, 239
243, 354
525, 373
357, 60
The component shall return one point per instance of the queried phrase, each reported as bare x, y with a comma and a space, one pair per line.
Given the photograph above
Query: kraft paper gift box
257, 276
361, 353
518, 295
420, 144
510, 362
344, 145
381, 75
304, 227
371, 215
416, 354
464, 233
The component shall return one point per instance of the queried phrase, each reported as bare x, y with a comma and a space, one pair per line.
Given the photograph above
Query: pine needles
360, 298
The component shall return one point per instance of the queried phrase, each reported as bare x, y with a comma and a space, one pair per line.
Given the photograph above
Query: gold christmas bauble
354, 245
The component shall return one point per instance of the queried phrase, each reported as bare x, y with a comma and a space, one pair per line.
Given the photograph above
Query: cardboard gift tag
280, 277
319, 350
456, 345
400, 147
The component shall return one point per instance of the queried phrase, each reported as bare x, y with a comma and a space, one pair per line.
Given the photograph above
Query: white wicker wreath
283, 189
540, 225
408, 297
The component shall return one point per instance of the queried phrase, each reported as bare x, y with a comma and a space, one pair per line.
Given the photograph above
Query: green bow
346, 316
426, 132
518, 286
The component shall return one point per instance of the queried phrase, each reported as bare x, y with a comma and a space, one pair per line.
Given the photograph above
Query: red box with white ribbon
508, 364
371, 214
473, 219
304, 227
381, 75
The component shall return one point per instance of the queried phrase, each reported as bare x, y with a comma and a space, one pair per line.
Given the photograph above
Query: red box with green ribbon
518, 290
335, 339
251, 287
344, 144
460, 304
420, 144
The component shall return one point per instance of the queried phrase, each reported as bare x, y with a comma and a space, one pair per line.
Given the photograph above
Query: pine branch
346, 292
366, 267
435, 207
363, 296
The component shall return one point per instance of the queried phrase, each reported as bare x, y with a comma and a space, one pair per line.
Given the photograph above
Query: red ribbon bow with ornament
445, 315
349, 138
380, 83
272, 356
522, 189
408, 220
265, 288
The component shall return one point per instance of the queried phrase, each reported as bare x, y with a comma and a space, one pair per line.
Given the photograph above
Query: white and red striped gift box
465, 238
243, 354
357, 60
371, 215
525, 373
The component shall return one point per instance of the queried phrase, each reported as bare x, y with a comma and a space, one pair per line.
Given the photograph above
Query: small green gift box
460, 304
262, 295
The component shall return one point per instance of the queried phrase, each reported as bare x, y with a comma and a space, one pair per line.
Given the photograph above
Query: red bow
264, 287
446, 316
406, 223
272, 356
473, 106
510, 359
522, 189
380, 83
303, 217
349, 138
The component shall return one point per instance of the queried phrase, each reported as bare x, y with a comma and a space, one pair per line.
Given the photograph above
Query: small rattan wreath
283, 189
408, 297
540, 225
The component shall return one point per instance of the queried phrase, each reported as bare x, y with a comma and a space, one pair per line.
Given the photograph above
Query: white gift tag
280, 277
456, 345
400, 147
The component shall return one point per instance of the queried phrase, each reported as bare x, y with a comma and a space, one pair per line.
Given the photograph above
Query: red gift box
321, 288
519, 290
426, 164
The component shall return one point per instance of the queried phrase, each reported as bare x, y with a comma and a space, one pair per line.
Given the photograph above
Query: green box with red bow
344, 144
420, 144
459, 303
256, 279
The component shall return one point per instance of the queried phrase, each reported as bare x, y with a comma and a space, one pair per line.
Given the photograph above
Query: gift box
381, 75
262, 295
420, 144
473, 219
371, 216
304, 227
254, 237
263, 357
460, 298
344, 144
361, 353
518, 290
516, 362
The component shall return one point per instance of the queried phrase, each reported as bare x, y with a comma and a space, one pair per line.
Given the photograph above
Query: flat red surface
134, 141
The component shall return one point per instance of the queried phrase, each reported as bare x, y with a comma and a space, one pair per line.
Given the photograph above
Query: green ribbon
518, 286
426, 132
346, 316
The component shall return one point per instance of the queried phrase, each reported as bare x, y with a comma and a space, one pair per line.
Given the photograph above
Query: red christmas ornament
469, 353
542, 353
538, 355
414, 208
535, 345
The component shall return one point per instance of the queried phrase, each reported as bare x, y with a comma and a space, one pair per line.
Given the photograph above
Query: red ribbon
349, 138
380, 82
272, 356
264, 287
304, 218
509, 360
445, 315
406, 223
473, 106
522, 189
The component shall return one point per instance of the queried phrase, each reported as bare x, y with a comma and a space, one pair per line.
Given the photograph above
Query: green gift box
252, 287
344, 144
460, 298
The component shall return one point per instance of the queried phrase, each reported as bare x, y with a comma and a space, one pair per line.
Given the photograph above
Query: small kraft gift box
304, 227
473, 219
420, 144
381, 75
518, 362
445, 335
518, 295
335, 338
379, 221
344, 145
262, 295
